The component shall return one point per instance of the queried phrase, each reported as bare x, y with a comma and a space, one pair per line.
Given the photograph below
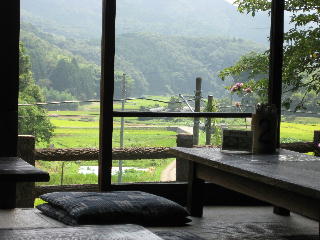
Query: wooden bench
13, 170
288, 180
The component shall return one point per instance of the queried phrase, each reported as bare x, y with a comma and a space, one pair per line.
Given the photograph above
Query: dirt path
169, 173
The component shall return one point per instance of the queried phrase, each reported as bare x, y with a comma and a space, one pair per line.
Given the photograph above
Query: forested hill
82, 18
171, 64
157, 64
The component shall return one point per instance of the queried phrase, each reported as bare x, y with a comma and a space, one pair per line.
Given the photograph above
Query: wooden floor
221, 223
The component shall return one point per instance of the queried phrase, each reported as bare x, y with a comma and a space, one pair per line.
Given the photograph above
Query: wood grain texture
110, 232
14, 169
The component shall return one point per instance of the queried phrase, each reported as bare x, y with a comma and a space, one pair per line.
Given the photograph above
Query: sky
229, 1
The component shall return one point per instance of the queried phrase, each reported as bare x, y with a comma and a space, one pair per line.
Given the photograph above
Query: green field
298, 132
80, 129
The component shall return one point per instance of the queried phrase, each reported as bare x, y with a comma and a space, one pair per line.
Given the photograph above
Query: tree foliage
32, 119
301, 66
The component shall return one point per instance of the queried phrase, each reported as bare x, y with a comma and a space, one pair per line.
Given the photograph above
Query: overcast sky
229, 1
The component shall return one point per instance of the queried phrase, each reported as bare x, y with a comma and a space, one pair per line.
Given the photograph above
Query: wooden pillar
197, 109
8, 195
106, 93
275, 70
25, 191
182, 165
208, 122
9, 72
276, 58
195, 199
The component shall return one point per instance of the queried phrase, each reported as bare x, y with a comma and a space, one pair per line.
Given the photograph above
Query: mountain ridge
82, 18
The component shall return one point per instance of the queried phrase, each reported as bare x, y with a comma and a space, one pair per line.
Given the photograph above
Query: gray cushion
113, 207
57, 213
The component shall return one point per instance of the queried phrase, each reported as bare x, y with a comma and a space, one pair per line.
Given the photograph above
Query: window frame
107, 85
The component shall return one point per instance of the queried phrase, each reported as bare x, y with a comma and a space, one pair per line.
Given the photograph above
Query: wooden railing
89, 154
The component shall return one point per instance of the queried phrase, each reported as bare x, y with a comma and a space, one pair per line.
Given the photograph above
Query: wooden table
288, 180
13, 170
107, 232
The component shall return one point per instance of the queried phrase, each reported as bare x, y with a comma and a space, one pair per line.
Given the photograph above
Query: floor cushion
112, 207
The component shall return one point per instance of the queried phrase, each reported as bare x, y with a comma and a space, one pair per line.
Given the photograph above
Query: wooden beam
276, 58
106, 93
181, 114
9, 71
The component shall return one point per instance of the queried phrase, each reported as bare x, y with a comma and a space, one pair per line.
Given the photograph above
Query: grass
75, 131
297, 132
71, 169
145, 138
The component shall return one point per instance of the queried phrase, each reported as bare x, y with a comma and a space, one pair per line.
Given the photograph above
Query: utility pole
197, 109
123, 93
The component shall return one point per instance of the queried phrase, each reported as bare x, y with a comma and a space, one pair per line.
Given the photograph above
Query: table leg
195, 192
8, 195
281, 211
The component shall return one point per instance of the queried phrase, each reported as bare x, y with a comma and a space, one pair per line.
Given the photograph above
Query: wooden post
182, 165
106, 93
62, 174
316, 141
276, 59
281, 211
25, 190
208, 122
10, 26
197, 109
8, 195
195, 198
123, 90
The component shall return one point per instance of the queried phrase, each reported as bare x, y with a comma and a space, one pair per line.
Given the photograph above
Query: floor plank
109, 232
217, 223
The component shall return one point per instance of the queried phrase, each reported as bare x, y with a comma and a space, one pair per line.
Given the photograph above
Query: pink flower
239, 85
248, 90
236, 87
233, 89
